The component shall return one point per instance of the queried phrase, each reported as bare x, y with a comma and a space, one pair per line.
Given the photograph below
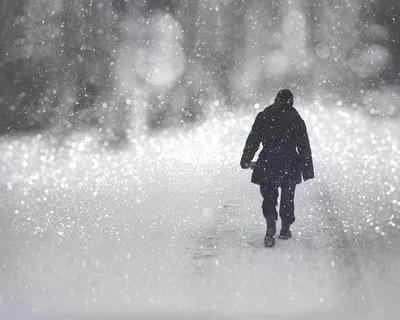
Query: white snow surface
171, 226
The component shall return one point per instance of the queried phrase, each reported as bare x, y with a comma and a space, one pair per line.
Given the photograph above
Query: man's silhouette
284, 159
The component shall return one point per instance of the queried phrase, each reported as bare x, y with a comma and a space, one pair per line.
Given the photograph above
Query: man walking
284, 159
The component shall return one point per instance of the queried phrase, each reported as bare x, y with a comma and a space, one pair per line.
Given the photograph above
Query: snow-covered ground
171, 225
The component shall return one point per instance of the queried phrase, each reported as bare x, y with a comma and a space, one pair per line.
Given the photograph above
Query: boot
285, 233
269, 240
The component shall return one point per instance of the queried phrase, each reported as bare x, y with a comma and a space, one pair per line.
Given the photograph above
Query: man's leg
270, 196
286, 210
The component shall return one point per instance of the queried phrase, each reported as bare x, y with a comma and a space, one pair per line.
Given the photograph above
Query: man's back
286, 148
285, 157
281, 133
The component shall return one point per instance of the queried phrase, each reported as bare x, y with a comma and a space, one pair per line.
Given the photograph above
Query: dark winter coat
286, 153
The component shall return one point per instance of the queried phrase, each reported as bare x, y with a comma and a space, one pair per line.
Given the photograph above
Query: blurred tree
62, 60
65, 47
10, 11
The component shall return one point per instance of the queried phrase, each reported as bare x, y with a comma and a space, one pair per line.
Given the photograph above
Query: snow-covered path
173, 226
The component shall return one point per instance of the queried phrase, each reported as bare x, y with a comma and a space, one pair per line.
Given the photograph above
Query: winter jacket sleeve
253, 141
304, 149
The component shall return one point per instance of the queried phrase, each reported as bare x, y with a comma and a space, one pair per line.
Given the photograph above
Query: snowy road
173, 226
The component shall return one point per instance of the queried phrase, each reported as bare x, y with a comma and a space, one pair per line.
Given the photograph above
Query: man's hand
248, 165
244, 165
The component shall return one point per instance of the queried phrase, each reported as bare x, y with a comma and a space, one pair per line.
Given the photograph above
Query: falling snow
122, 126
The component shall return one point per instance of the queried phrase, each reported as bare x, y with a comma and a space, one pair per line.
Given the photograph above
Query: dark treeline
123, 65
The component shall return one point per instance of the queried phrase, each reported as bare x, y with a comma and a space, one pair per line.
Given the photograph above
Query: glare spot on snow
388, 101
207, 212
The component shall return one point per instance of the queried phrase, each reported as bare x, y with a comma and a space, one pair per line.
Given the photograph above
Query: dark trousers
270, 195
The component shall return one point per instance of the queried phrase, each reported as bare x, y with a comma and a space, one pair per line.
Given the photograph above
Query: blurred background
121, 129
129, 66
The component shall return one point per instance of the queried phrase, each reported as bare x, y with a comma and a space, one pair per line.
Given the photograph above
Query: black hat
284, 97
